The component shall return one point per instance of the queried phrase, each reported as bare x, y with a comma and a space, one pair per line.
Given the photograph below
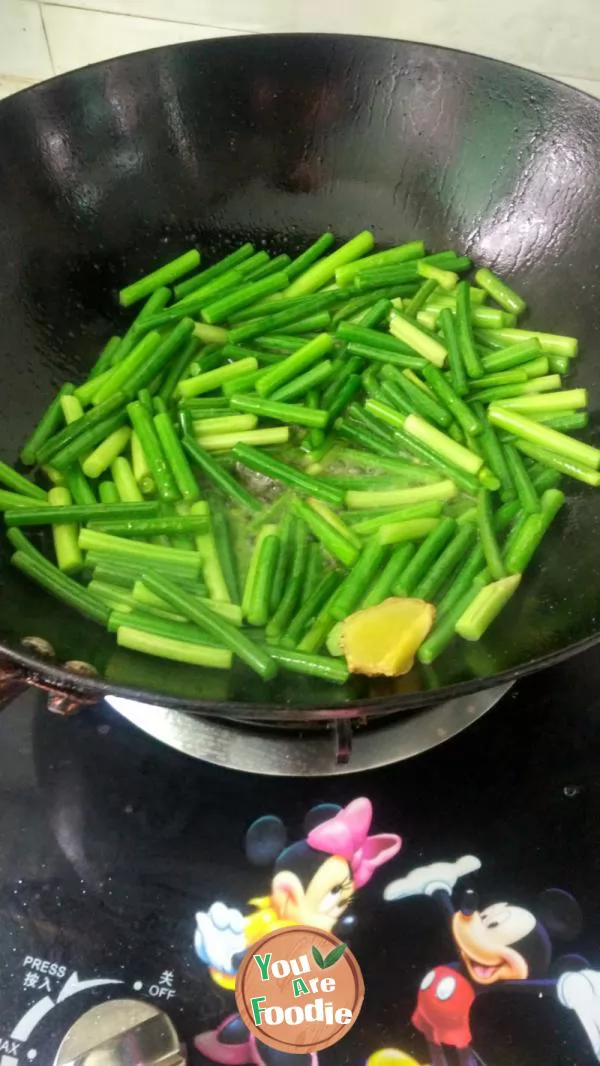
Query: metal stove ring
337, 749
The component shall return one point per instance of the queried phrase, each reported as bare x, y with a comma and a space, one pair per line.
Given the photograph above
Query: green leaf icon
316, 954
335, 954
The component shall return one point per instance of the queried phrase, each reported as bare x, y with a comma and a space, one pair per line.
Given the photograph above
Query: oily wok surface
106, 172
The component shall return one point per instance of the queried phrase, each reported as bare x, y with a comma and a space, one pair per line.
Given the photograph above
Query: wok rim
56, 679
207, 42
44, 675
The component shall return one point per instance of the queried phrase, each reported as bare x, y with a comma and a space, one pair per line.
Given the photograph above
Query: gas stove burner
110, 1032
340, 746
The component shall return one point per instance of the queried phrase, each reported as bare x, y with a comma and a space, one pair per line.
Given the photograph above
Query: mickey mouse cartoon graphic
313, 883
503, 946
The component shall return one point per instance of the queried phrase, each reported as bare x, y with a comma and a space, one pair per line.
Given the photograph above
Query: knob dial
122, 1032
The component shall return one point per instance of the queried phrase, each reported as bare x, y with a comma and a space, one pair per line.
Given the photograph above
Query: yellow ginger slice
383, 640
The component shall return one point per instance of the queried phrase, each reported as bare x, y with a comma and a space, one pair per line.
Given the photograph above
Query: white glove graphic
219, 936
580, 991
426, 880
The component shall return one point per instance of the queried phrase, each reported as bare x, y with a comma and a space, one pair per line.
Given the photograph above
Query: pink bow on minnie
347, 835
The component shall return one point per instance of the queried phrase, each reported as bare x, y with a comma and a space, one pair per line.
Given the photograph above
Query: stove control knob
123, 1032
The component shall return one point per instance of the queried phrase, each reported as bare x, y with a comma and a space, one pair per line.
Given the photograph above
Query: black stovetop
110, 844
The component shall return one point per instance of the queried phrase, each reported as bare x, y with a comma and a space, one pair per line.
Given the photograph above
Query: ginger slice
383, 640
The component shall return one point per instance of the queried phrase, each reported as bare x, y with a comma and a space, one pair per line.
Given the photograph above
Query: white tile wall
77, 37
10, 84
23, 48
231, 14
38, 39
587, 85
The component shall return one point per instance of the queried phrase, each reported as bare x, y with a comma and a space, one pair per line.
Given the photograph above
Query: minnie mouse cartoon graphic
313, 882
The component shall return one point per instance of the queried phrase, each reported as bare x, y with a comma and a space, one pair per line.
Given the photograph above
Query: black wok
110, 170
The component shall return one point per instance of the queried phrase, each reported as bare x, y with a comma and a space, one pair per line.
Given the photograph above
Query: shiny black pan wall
110, 170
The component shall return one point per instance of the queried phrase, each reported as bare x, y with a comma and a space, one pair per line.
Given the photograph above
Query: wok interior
109, 171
